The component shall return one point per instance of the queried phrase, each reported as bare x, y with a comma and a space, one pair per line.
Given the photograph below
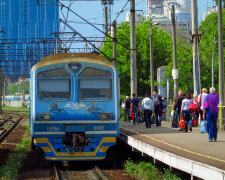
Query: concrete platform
190, 152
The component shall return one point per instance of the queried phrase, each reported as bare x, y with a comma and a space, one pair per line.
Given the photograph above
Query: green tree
162, 48
210, 29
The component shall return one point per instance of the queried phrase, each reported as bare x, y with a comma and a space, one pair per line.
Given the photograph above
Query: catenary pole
213, 68
23, 92
133, 73
114, 44
151, 60
196, 64
221, 57
1, 86
175, 70
106, 19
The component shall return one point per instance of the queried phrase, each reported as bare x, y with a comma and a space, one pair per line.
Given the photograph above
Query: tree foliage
163, 55
210, 29
162, 48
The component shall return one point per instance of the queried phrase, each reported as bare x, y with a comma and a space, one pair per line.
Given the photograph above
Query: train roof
74, 55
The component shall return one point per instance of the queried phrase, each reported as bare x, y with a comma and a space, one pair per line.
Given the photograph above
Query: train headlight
105, 116
47, 117
44, 116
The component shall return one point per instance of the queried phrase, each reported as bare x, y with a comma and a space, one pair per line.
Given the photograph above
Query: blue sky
93, 12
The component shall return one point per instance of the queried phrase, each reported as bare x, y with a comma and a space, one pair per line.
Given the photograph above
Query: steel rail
58, 174
4, 121
99, 173
2, 137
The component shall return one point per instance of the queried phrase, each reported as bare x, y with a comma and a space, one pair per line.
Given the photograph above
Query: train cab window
54, 84
95, 84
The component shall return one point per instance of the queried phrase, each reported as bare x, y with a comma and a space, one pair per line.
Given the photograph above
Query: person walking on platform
185, 111
147, 107
177, 108
127, 108
135, 107
210, 110
156, 100
201, 98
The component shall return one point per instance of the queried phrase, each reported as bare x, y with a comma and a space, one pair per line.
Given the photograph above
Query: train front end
74, 107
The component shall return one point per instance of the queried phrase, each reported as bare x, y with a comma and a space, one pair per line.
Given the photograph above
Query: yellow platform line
177, 147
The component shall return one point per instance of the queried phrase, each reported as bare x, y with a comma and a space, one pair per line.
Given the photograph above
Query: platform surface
191, 145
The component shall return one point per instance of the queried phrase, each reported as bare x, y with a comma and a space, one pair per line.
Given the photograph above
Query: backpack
164, 105
156, 101
192, 107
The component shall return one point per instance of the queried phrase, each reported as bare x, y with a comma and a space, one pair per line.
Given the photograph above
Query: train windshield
95, 84
54, 84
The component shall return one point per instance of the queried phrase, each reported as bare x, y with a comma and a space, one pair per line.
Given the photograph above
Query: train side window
95, 84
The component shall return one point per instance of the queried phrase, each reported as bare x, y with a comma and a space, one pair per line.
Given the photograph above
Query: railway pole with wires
1, 87
114, 44
133, 72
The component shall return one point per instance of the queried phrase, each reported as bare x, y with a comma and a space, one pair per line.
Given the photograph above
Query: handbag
203, 126
153, 120
181, 123
132, 115
123, 105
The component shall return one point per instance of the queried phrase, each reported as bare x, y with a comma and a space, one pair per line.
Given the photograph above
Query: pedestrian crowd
149, 110
185, 111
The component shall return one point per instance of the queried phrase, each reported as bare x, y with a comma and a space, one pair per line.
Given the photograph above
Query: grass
148, 171
10, 108
15, 160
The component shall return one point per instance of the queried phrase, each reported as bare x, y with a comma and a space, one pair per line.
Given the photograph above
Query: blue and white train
74, 108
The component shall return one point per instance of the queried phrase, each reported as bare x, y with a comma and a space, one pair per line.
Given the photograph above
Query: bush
147, 171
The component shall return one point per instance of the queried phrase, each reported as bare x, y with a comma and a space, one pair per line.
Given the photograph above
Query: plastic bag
172, 115
203, 126
181, 123
123, 105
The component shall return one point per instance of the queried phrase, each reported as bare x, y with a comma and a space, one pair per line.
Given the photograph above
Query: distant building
160, 12
209, 10
138, 17
23, 27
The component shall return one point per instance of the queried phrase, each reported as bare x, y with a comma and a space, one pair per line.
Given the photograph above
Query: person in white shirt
185, 111
147, 107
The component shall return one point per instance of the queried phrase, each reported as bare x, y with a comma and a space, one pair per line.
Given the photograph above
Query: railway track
92, 174
8, 123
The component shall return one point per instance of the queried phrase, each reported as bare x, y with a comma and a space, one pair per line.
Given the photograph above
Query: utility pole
195, 37
221, 60
85, 49
151, 60
23, 92
4, 91
114, 44
106, 19
133, 73
213, 69
175, 70
1, 85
